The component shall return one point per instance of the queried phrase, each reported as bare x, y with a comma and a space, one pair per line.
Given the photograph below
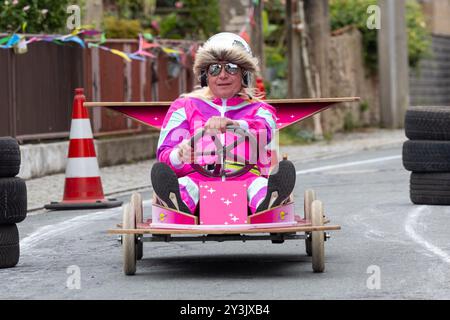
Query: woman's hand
185, 152
219, 123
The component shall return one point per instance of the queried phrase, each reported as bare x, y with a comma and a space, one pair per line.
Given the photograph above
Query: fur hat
225, 46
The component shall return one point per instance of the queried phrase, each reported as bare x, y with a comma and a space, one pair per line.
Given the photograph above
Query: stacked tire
427, 154
13, 202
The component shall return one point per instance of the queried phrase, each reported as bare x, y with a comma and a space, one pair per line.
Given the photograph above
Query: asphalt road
388, 248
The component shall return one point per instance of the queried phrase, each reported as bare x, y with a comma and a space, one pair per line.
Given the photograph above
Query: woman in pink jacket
225, 67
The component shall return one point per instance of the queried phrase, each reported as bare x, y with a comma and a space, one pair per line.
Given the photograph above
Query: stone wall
348, 77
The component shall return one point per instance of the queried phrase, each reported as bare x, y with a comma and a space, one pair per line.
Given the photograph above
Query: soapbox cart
211, 223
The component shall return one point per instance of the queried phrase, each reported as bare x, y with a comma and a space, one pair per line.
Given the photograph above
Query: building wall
437, 14
430, 84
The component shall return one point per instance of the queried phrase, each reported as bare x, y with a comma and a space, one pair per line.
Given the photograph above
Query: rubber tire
13, 200
426, 156
9, 157
9, 246
318, 237
430, 188
427, 123
129, 241
309, 197
136, 203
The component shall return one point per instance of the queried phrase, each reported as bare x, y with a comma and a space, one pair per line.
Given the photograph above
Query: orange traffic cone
83, 186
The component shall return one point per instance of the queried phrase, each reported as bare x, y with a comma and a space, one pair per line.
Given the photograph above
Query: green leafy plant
37, 16
116, 28
354, 12
349, 122
276, 58
364, 106
198, 19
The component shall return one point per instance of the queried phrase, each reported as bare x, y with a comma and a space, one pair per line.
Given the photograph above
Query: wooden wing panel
289, 111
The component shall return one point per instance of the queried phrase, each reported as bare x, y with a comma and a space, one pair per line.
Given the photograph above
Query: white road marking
50, 231
410, 225
348, 164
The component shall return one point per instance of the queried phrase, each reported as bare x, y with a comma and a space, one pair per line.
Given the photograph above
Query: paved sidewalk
124, 178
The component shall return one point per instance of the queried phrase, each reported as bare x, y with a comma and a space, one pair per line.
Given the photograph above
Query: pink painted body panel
166, 216
152, 116
223, 203
277, 215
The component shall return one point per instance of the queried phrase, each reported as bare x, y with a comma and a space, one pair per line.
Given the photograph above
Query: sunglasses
216, 68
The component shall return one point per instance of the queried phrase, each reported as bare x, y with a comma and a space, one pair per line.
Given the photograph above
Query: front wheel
310, 196
317, 237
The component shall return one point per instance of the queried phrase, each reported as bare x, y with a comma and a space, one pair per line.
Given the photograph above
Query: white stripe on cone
81, 129
82, 168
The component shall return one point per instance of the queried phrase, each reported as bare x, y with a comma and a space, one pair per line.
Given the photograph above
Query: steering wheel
223, 152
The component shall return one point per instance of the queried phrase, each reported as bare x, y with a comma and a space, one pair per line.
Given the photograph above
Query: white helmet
227, 40
225, 46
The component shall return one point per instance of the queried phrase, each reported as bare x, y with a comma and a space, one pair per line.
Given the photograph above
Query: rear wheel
317, 237
310, 196
129, 241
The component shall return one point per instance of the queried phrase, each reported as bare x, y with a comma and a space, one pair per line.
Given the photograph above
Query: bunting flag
252, 16
4, 40
31, 40
171, 51
136, 57
98, 44
10, 41
244, 34
249, 22
120, 54
146, 44
75, 39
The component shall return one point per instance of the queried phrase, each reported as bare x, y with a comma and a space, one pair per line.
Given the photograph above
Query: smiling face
225, 85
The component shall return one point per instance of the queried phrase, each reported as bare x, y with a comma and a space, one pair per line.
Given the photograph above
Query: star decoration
211, 190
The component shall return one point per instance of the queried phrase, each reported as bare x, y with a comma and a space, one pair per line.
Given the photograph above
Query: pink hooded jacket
187, 115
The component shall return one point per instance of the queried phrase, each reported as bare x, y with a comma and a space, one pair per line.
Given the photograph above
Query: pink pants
189, 188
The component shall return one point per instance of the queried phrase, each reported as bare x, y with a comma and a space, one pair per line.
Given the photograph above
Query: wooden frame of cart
312, 228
